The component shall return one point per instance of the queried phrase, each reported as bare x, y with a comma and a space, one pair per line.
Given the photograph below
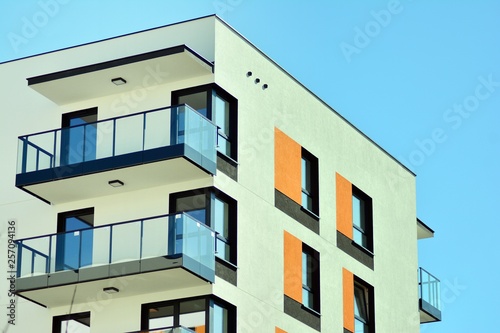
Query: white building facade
178, 180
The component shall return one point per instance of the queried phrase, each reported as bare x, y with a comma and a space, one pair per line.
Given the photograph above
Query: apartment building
179, 180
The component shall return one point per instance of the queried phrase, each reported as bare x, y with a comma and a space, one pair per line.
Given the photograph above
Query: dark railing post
141, 239
172, 237
52, 158
144, 131
114, 136
25, 154
49, 257
110, 243
19, 258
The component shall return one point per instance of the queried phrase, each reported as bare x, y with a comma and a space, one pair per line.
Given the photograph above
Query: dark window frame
368, 292
210, 89
209, 193
58, 320
65, 134
62, 216
314, 289
368, 217
61, 253
313, 192
210, 300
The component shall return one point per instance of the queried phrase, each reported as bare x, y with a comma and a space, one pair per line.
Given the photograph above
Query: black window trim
369, 294
209, 300
62, 216
232, 206
368, 214
314, 193
315, 288
58, 320
232, 137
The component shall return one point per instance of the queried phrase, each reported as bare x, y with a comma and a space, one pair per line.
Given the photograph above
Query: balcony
177, 329
168, 252
142, 150
145, 70
429, 297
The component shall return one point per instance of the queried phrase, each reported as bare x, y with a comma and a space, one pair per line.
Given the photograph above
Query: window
194, 313
362, 218
217, 105
309, 181
310, 278
76, 322
363, 308
78, 136
215, 209
74, 249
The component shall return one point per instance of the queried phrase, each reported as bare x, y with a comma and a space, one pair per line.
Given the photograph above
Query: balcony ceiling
128, 286
423, 230
135, 178
140, 71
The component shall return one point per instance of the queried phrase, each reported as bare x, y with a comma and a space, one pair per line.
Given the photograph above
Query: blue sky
420, 77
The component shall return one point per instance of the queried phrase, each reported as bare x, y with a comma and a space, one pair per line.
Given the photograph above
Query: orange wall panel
344, 205
348, 299
293, 267
279, 330
287, 165
200, 329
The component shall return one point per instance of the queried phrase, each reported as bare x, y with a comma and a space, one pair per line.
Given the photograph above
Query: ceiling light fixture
118, 81
116, 183
110, 290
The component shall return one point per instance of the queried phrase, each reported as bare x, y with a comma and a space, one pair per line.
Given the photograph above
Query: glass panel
222, 114
360, 304
157, 129
126, 242
224, 145
220, 320
359, 237
104, 145
197, 241
34, 256
87, 241
155, 237
307, 298
307, 201
429, 288
306, 271
101, 242
209, 137
223, 250
197, 101
128, 135
192, 314
221, 217
162, 316
193, 129
360, 327
31, 158
194, 206
358, 213
306, 175
89, 153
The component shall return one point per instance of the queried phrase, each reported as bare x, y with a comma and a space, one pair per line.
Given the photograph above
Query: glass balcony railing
170, 236
176, 329
120, 136
429, 293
